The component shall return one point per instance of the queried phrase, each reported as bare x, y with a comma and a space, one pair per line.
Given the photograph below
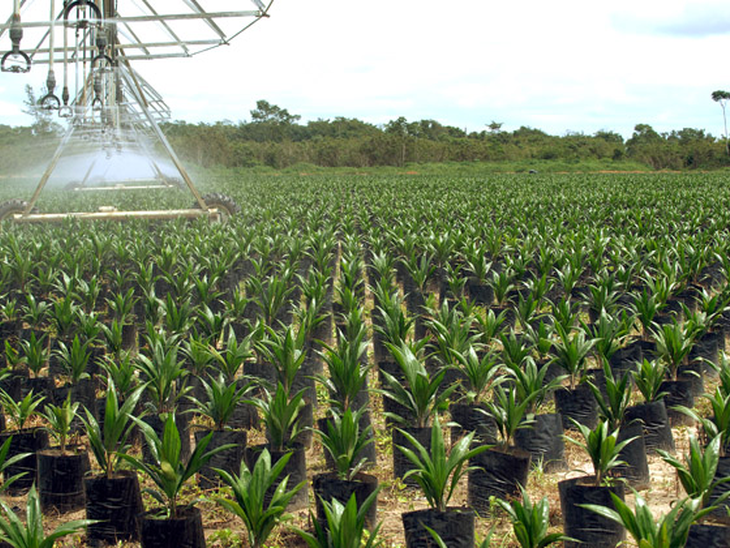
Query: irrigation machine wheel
13, 207
223, 203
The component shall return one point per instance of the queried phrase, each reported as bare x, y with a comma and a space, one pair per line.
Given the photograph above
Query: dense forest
275, 138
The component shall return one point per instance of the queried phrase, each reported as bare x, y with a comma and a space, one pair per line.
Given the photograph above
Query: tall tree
271, 122
266, 112
722, 97
495, 127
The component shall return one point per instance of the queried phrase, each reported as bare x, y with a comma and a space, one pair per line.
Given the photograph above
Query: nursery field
449, 350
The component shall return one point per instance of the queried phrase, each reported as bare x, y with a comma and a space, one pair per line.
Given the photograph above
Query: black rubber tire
223, 203
12, 207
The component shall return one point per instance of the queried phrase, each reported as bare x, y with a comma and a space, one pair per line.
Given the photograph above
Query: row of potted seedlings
673, 343
286, 398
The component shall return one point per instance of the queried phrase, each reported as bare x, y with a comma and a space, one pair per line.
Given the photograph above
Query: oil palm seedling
345, 443
210, 324
490, 325
113, 336
420, 396
109, 439
391, 322
527, 308
60, 470
20, 412
198, 360
415, 400
271, 296
649, 377
60, 419
285, 352
170, 471
602, 295
32, 533
539, 286
514, 350
25, 440
260, 496
603, 449
178, 315
35, 353
346, 381
89, 327
345, 526
571, 351
7, 461
206, 290
500, 470
220, 401
74, 360
452, 333
88, 292
121, 305
542, 438
509, 413
229, 360
540, 338
645, 309
568, 277
281, 416
437, 472
564, 313
668, 531
35, 312
163, 374
420, 269
63, 316
716, 426
479, 372
530, 521
613, 401
10, 314
698, 473
113, 496
218, 406
674, 342
502, 284
609, 332
121, 371
457, 283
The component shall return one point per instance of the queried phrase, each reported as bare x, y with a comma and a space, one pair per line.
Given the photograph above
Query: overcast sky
565, 65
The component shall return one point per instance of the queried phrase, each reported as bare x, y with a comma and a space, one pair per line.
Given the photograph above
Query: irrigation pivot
87, 49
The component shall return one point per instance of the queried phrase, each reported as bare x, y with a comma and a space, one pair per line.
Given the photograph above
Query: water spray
113, 114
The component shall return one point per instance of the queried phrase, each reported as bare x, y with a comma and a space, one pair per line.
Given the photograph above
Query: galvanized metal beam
121, 20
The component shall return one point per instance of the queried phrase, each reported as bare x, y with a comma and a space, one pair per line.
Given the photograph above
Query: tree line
276, 138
